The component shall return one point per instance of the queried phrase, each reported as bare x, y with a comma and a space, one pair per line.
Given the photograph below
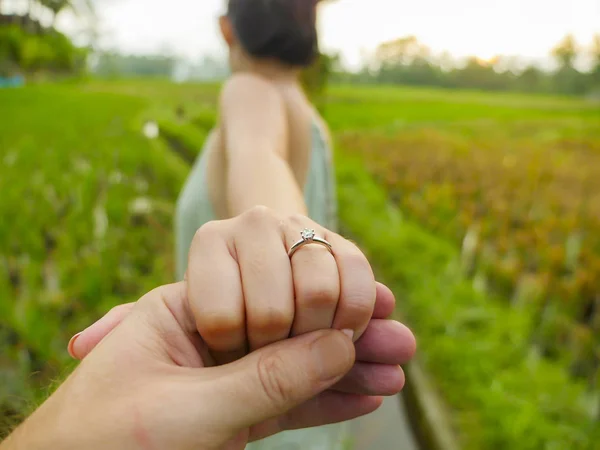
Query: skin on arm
254, 130
255, 138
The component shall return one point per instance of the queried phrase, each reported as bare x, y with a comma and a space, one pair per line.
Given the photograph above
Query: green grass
391, 108
90, 202
86, 223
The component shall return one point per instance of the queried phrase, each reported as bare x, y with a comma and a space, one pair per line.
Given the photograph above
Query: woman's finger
358, 288
375, 347
372, 379
266, 277
215, 292
316, 279
83, 343
386, 342
385, 302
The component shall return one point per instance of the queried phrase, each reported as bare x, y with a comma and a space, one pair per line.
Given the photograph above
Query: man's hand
159, 373
146, 386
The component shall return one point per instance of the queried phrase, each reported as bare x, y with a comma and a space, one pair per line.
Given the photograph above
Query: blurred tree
595, 50
595, 55
478, 74
27, 46
446, 62
567, 79
403, 51
316, 77
407, 61
113, 64
22, 51
566, 51
530, 80
56, 6
79, 7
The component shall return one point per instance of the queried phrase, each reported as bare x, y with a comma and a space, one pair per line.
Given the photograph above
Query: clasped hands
251, 344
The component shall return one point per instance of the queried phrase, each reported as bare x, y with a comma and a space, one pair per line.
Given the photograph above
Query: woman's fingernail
349, 333
71, 345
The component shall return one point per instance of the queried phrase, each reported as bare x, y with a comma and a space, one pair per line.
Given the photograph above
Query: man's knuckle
151, 299
116, 310
273, 380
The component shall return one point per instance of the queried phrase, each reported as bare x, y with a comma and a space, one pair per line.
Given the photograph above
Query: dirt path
386, 429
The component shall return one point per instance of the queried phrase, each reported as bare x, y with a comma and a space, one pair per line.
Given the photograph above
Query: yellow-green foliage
25, 52
476, 347
523, 199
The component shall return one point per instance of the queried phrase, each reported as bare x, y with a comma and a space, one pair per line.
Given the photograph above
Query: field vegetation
480, 210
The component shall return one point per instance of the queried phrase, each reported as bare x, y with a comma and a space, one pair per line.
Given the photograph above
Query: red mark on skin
140, 434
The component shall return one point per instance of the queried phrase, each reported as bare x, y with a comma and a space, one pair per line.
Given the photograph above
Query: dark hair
285, 30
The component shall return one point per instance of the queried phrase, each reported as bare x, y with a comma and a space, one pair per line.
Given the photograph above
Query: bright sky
484, 28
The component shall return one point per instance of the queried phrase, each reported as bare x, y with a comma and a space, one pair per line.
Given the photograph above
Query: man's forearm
48, 428
22, 439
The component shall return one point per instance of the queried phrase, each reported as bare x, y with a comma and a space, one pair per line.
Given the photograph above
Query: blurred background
468, 158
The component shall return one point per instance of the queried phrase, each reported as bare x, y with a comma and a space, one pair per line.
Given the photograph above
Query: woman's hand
245, 293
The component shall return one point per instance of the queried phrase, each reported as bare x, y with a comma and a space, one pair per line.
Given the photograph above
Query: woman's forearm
265, 179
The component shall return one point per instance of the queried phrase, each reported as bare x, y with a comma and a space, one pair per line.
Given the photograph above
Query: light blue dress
194, 209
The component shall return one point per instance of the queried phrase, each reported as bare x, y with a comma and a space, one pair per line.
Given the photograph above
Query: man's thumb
275, 379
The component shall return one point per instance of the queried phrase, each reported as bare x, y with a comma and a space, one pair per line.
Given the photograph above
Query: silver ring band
308, 237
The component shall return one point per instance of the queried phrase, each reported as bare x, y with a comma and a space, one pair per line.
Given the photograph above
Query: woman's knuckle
272, 321
318, 294
216, 324
359, 307
259, 215
357, 260
360, 301
209, 230
295, 219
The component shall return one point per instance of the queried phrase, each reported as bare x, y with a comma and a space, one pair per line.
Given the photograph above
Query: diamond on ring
308, 234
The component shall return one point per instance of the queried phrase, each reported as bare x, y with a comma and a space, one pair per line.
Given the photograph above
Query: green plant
477, 348
91, 202
21, 50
